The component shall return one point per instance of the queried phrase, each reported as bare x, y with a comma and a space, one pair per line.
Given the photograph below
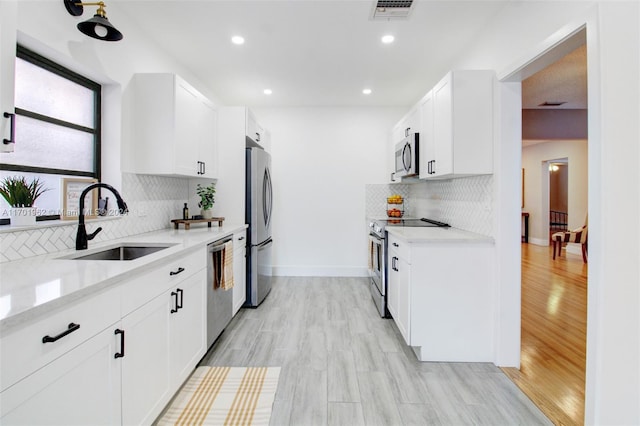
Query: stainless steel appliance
219, 301
378, 255
406, 156
258, 215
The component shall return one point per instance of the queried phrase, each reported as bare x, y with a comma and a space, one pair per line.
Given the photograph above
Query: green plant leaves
20, 193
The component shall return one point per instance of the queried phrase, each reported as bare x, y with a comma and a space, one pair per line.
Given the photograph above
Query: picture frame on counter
71, 190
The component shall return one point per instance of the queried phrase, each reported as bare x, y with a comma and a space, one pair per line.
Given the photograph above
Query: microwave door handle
406, 158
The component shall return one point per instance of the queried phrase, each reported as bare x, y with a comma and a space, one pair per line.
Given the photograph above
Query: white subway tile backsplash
152, 200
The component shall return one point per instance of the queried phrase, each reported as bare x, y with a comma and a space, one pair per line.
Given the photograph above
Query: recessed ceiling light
268, 91
237, 40
366, 91
388, 39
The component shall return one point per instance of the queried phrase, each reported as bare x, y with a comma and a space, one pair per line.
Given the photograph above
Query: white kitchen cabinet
7, 70
399, 289
80, 388
165, 339
239, 270
457, 117
174, 128
187, 331
146, 370
410, 123
440, 298
253, 129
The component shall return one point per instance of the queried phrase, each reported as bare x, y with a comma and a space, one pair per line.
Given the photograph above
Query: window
57, 129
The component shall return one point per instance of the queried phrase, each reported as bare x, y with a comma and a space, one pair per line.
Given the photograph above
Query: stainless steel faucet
82, 238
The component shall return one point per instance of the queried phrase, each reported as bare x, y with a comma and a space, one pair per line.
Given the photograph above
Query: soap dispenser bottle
185, 212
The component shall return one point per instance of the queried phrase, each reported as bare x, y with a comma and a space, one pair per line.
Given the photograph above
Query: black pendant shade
97, 27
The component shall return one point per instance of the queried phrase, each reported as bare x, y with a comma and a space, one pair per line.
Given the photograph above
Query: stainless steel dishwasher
219, 301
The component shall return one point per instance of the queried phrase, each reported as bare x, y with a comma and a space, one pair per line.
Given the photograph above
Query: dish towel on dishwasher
227, 262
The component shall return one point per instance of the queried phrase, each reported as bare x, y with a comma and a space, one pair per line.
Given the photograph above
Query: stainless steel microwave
406, 156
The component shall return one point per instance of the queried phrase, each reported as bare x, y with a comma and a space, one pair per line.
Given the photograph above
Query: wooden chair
576, 236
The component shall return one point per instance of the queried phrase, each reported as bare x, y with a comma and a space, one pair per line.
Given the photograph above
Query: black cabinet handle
175, 295
257, 137
204, 168
121, 353
241, 238
180, 295
72, 327
433, 167
396, 245
393, 177
176, 272
406, 131
12, 133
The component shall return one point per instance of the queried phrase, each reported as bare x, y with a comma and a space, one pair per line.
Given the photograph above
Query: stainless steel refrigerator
258, 214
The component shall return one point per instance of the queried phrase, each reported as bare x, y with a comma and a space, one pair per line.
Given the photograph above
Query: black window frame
55, 68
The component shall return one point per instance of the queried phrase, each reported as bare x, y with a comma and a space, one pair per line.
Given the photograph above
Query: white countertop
31, 287
436, 235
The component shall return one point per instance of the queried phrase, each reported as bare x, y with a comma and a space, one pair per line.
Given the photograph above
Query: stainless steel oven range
377, 246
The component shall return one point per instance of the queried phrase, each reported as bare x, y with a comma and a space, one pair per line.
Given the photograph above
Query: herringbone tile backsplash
152, 200
464, 203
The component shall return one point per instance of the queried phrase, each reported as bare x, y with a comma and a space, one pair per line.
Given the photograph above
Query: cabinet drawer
239, 241
401, 247
23, 350
143, 288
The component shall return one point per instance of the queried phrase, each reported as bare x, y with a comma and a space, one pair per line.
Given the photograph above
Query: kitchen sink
128, 251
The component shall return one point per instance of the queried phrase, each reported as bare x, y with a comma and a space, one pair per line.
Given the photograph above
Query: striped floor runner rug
224, 396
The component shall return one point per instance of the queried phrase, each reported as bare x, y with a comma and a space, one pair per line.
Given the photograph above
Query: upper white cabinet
410, 123
253, 129
7, 72
457, 126
174, 128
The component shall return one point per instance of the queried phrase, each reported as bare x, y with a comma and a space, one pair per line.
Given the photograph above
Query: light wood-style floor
554, 323
344, 365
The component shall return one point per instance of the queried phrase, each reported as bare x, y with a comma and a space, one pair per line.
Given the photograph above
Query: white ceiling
310, 52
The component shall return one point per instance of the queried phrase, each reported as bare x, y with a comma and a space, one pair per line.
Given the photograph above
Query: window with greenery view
57, 129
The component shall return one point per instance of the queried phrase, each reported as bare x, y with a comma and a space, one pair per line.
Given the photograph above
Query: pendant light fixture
97, 27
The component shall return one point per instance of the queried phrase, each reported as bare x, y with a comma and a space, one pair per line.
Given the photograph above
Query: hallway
554, 323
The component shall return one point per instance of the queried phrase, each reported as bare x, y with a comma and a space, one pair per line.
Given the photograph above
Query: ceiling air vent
391, 9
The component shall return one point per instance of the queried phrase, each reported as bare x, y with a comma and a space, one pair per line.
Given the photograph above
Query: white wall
519, 33
536, 190
322, 158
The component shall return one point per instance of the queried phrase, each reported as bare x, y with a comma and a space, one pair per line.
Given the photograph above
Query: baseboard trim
539, 241
320, 271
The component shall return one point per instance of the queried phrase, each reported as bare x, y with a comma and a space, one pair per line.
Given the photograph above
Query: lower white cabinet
164, 340
440, 297
239, 270
122, 374
80, 388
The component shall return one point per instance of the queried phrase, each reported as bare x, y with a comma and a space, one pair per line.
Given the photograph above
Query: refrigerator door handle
264, 243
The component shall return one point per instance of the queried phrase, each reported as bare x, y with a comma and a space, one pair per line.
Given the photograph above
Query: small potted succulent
21, 196
207, 198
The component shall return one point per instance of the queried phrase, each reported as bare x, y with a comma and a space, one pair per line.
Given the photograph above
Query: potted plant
21, 196
207, 198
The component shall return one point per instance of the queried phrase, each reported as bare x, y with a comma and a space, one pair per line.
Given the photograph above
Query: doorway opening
554, 292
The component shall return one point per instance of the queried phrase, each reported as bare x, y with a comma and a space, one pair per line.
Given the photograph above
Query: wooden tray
187, 222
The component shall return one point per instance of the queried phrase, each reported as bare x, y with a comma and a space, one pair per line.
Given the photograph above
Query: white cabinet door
174, 127
187, 121
253, 129
403, 316
393, 284
187, 333
443, 128
239, 271
7, 70
426, 144
82, 387
146, 370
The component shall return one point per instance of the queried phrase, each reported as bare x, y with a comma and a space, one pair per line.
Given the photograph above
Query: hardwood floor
554, 324
344, 365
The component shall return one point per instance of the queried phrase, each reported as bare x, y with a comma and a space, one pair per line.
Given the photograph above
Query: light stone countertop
29, 288
437, 235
